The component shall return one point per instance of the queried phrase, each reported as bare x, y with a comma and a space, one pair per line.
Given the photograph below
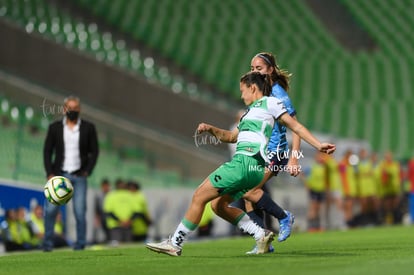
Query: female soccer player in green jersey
281, 158
245, 171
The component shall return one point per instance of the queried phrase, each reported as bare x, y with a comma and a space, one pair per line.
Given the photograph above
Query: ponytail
267, 89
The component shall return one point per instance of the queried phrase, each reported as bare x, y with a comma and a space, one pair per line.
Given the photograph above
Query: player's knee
218, 204
215, 207
253, 195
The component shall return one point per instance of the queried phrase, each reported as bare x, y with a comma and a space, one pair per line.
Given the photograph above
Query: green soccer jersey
255, 127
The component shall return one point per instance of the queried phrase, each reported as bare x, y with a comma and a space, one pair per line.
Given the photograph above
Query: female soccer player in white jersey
245, 171
278, 151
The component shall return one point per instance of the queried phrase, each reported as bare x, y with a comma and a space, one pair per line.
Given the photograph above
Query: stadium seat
216, 45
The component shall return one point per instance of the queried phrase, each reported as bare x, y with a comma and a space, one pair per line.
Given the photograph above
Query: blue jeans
79, 207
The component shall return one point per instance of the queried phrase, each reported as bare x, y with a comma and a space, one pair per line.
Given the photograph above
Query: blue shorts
277, 162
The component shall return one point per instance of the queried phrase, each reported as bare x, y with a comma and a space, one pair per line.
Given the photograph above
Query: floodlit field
388, 250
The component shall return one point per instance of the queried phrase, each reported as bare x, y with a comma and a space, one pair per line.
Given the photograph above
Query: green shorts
238, 176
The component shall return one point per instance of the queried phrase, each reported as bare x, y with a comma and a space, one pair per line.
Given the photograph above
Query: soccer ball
58, 190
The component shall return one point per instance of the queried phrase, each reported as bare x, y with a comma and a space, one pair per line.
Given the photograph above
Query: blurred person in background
38, 228
99, 218
141, 219
316, 183
349, 187
24, 230
119, 208
37, 224
6, 230
391, 188
368, 190
376, 168
15, 231
70, 150
9, 233
334, 195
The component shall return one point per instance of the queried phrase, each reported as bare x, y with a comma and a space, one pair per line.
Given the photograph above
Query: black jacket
53, 150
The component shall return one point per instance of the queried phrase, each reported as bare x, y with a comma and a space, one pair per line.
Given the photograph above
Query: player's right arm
222, 134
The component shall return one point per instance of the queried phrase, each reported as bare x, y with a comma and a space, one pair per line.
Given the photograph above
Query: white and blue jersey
278, 141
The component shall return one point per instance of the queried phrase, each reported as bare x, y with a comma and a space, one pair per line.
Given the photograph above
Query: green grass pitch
387, 250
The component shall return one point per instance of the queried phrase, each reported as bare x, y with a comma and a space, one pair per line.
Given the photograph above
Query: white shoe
254, 250
264, 243
165, 247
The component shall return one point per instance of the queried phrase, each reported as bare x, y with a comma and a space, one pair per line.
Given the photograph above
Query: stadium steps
41, 17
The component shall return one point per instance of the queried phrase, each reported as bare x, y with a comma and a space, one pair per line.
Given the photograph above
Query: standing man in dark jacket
70, 150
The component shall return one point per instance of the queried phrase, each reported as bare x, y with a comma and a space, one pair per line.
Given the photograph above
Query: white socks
247, 225
183, 229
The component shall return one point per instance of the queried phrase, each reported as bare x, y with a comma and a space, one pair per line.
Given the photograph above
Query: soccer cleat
165, 247
263, 244
285, 226
254, 250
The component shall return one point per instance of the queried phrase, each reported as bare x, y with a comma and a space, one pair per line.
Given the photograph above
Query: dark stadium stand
334, 89
47, 19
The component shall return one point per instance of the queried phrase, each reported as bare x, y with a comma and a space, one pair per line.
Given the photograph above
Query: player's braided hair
278, 75
261, 80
